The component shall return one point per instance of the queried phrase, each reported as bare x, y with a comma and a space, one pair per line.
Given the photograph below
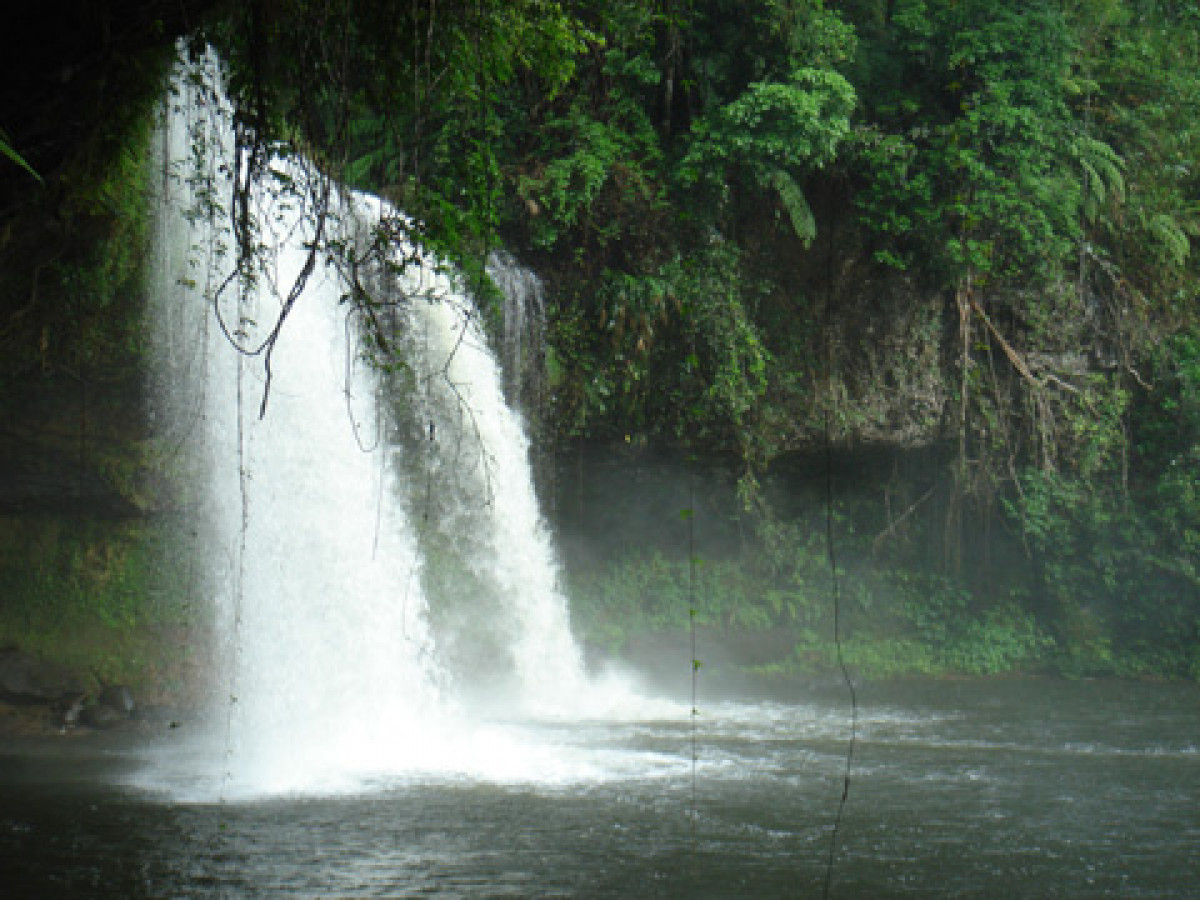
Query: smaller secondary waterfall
479, 498
524, 324
371, 546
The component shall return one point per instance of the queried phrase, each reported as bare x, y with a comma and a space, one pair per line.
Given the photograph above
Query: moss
72, 257
81, 575
101, 597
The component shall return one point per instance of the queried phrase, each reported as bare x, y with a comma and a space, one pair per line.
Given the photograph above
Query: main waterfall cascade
383, 584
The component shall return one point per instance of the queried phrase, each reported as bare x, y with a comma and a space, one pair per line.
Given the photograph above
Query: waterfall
366, 523
524, 324
508, 617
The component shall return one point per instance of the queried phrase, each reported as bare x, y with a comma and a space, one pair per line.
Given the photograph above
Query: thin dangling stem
831, 555
691, 520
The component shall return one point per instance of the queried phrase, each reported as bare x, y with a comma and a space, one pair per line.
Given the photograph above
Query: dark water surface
999, 789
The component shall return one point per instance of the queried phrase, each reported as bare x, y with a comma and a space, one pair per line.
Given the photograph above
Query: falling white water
524, 324
321, 643
486, 508
324, 525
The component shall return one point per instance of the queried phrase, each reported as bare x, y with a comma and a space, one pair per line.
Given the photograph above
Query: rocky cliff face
73, 447
78, 85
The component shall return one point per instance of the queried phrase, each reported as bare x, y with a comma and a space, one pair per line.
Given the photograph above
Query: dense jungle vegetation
935, 255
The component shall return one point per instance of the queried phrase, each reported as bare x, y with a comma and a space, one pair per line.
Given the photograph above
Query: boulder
25, 678
113, 706
118, 697
100, 715
69, 709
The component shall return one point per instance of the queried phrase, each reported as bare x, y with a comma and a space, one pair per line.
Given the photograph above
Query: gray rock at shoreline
29, 682
25, 678
118, 697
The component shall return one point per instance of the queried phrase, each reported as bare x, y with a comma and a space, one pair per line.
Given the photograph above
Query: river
960, 789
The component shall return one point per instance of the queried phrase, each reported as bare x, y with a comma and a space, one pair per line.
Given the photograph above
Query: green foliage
677, 355
415, 102
1005, 639
901, 624
977, 166
727, 353
771, 135
645, 593
599, 169
1143, 99
1116, 540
